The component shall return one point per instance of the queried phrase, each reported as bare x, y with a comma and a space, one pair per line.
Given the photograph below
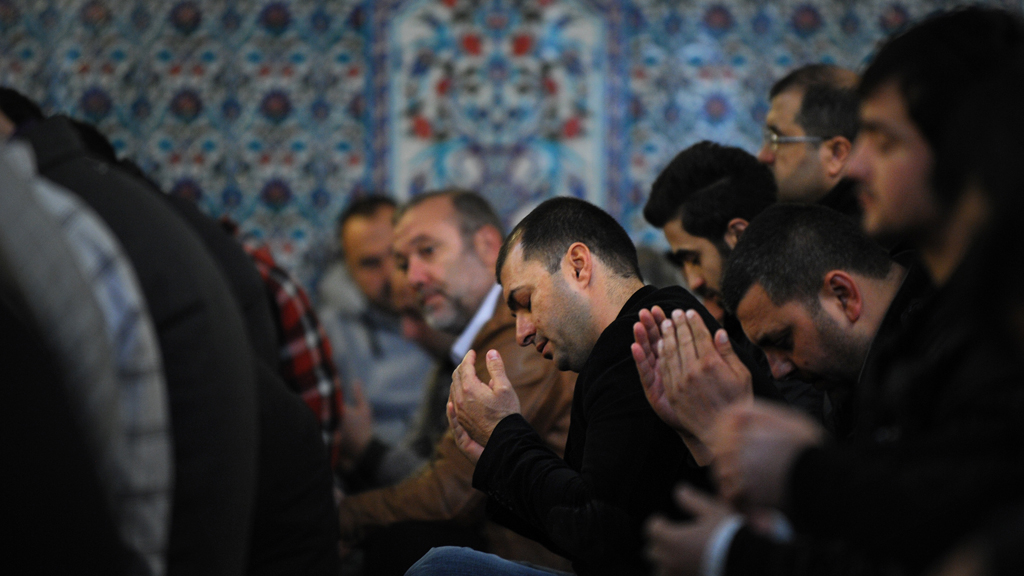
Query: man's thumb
496, 367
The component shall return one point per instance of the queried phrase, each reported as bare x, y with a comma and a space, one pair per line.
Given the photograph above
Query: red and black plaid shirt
305, 357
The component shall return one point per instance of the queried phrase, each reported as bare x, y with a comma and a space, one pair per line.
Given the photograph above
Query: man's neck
948, 245
618, 292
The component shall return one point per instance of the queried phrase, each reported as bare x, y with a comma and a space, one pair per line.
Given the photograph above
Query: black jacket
621, 461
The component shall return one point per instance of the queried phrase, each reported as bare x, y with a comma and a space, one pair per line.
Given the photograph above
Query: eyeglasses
772, 140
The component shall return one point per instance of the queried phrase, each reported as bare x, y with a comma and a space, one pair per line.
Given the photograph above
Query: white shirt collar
483, 314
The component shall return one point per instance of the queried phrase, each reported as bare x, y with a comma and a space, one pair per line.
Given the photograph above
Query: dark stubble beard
574, 329
846, 352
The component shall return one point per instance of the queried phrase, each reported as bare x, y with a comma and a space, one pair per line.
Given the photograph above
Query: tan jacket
442, 490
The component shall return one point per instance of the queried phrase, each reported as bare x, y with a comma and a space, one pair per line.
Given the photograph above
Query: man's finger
701, 337
687, 352
651, 331
724, 347
659, 315
640, 356
641, 338
449, 410
468, 364
465, 373
669, 362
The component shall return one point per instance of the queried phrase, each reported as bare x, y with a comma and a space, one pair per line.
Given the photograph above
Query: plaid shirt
306, 363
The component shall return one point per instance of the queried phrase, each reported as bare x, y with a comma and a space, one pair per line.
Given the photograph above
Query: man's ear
734, 230
580, 263
487, 243
841, 291
834, 153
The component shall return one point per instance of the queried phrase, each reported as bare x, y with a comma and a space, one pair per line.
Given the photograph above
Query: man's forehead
520, 274
511, 269
430, 218
886, 102
785, 105
675, 233
756, 312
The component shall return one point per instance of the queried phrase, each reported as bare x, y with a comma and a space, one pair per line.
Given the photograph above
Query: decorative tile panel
277, 113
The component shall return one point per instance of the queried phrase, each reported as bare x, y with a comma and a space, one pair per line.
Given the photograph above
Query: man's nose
694, 277
781, 366
525, 330
416, 273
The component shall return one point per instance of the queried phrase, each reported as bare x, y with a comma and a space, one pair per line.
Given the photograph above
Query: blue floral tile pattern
277, 113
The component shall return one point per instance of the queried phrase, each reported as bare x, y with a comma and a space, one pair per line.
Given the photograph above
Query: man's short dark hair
708, 185
472, 210
937, 66
789, 248
18, 107
829, 106
547, 232
366, 207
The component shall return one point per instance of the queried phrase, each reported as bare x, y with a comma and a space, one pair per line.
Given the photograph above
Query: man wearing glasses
808, 133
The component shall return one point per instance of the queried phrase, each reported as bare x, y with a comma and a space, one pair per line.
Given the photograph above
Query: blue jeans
456, 561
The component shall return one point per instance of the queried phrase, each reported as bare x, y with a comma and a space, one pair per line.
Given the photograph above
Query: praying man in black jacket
570, 276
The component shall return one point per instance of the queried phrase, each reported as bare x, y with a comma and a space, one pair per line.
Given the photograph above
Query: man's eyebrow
771, 338
874, 126
513, 304
420, 239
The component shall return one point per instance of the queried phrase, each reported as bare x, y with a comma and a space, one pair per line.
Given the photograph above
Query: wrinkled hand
356, 427
647, 333
702, 376
754, 449
478, 407
678, 549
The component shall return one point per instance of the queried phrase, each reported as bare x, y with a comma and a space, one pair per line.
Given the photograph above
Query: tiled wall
277, 113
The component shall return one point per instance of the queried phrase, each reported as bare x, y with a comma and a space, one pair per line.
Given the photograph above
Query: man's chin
563, 364
442, 320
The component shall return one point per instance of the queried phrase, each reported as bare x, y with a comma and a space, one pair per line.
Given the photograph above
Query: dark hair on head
829, 106
708, 185
365, 206
472, 210
936, 66
18, 107
547, 232
789, 248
